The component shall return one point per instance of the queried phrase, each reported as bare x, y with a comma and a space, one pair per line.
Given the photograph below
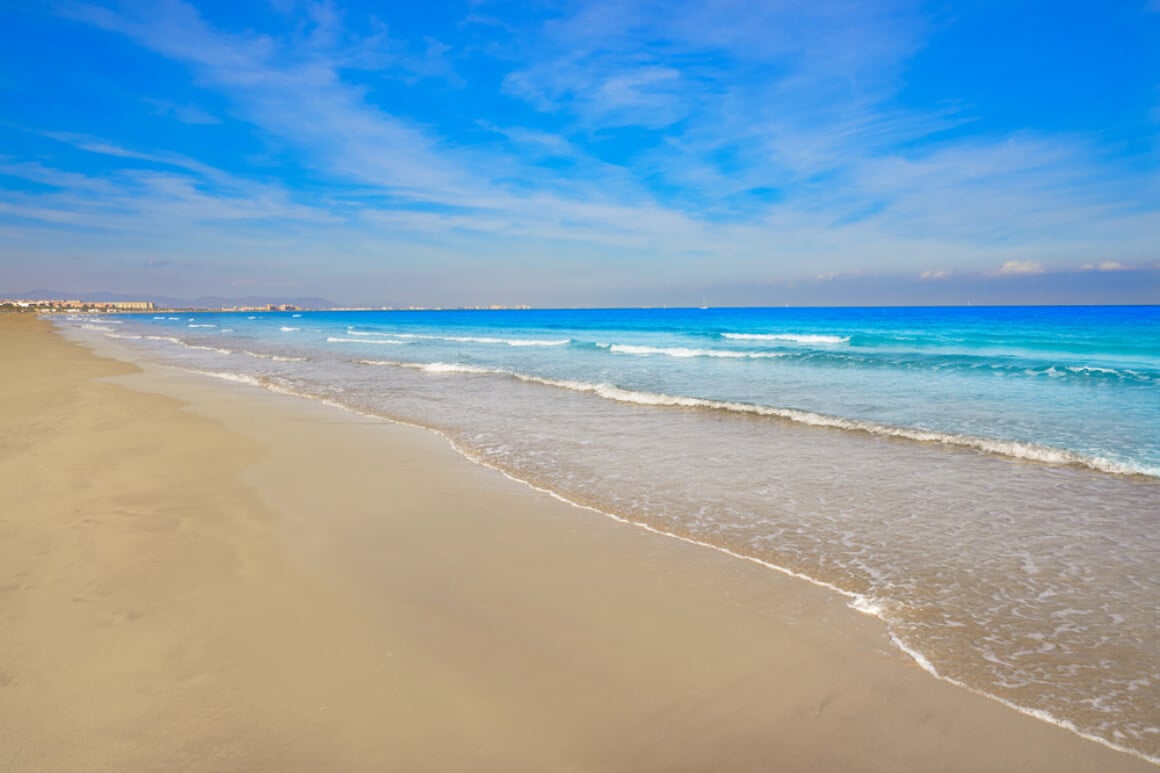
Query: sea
986, 481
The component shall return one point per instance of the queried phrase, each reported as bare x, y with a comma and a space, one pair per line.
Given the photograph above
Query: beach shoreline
214, 576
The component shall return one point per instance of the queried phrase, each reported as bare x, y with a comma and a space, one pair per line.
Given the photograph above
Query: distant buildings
50, 305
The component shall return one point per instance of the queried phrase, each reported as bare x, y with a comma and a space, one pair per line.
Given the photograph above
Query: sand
200, 575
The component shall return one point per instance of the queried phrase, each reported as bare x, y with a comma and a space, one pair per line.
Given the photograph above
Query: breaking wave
1010, 448
794, 338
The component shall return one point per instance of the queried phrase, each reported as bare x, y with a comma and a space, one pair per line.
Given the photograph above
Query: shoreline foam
805, 731
855, 601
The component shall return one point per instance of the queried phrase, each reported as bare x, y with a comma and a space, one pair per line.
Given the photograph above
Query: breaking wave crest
678, 351
794, 338
275, 357
334, 340
463, 339
1034, 452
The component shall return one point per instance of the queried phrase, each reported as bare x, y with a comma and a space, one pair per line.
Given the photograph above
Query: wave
370, 333
1014, 449
490, 340
859, 602
437, 367
334, 340
240, 378
173, 340
970, 363
465, 339
796, 338
200, 325
679, 351
286, 329
276, 357
218, 349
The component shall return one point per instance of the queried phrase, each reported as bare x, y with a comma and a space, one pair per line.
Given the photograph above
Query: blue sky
595, 153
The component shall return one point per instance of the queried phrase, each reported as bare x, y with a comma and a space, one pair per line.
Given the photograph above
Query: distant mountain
205, 302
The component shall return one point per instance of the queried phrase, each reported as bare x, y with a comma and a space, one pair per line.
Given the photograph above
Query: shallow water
985, 480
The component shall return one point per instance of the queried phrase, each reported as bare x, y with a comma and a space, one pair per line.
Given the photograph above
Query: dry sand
196, 575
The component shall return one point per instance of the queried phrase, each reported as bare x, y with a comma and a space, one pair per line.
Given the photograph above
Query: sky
596, 153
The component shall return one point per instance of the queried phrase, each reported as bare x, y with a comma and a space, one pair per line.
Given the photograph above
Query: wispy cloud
726, 140
1021, 267
1106, 265
190, 114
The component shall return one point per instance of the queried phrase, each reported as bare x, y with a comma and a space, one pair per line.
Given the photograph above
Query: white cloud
1106, 265
1021, 267
736, 99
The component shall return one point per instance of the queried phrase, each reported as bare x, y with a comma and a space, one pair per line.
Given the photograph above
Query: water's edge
855, 601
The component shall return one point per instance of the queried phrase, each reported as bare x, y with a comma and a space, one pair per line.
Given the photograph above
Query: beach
203, 575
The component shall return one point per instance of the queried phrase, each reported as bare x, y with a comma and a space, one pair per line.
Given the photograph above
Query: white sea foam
1044, 716
286, 329
187, 345
276, 357
240, 378
443, 367
856, 601
370, 333
1010, 448
1092, 369
464, 339
491, 340
436, 367
334, 340
682, 352
200, 325
794, 338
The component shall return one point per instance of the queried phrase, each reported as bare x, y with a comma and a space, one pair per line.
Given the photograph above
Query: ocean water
984, 480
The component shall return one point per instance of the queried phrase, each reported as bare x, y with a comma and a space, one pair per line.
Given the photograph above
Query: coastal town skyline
597, 154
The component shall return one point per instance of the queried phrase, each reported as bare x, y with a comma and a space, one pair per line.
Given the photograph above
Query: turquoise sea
984, 480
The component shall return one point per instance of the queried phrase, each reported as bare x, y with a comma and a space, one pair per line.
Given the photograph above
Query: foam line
683, 352
794, 338
1010, 448
855, 601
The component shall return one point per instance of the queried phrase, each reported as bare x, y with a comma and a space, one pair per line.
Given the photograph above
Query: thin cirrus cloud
1021, 267
707, 141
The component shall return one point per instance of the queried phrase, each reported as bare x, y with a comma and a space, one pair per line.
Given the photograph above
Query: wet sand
201, 575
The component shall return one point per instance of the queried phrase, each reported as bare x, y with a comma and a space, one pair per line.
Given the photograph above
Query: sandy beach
201, 575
